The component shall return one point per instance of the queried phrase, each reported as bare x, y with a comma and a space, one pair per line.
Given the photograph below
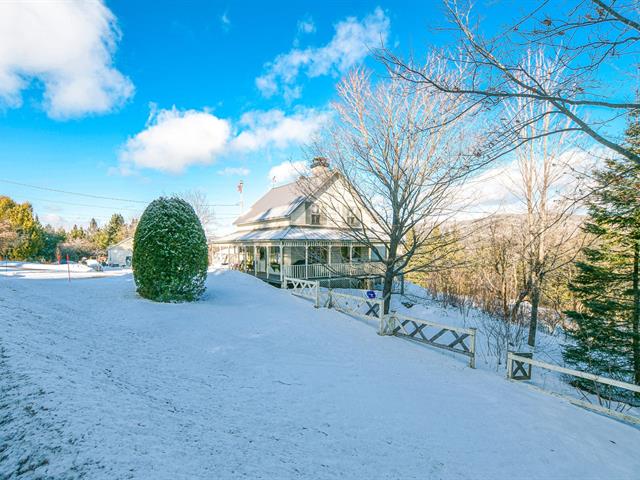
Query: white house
121, 253
290, 232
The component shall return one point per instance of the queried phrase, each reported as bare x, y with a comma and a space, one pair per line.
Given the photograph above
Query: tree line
23, 237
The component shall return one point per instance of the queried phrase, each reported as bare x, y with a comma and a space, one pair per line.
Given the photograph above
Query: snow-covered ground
252, 382
53, 270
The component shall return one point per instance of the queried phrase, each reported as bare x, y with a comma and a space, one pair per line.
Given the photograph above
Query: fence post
472, 359
509, 366
382, 330
317, 305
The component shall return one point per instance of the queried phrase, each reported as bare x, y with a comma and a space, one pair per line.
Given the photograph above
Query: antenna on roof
240, 188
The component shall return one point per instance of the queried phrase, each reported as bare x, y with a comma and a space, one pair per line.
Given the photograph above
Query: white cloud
69, 47
306, 26
274, 127
174, 140
234, 171
350, 44
287, 171
225, 21
498, 189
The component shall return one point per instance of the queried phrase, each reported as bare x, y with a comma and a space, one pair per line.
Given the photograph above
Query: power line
100, 197
74, 204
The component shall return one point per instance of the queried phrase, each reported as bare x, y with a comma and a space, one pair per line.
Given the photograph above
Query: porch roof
290, 233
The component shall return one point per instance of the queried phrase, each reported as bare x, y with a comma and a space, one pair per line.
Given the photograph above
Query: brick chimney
319, 166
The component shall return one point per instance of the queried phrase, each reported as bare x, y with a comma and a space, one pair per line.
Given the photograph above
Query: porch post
281, 264
329, 256
267, 262
306, 261
255, 261
350, 252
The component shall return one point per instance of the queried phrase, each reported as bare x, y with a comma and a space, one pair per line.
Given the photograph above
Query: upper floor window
315, 215
351, 218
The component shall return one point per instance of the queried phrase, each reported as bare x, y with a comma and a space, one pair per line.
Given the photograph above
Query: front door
262, 260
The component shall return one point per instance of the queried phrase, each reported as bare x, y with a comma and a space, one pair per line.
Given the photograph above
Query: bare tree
398, 175
545, 184
200, 203
589, 40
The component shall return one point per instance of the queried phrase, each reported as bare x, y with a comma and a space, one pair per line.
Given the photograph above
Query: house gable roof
126, 243
279, 202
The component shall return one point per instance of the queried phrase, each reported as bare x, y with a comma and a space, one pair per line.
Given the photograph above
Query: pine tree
76, 233
112, 232
606, 338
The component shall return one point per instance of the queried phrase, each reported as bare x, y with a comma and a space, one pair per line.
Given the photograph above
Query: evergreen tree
93, 226
26, 227
76, 233
51, 239
112, 232
170, 255
606, 338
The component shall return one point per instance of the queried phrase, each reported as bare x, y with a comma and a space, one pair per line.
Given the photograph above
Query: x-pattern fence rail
454, 339
519, 367
362, 307
303, 288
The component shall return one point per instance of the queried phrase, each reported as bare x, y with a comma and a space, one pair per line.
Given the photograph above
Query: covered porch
306, 259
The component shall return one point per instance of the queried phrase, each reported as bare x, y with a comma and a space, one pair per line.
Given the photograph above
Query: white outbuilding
120, 254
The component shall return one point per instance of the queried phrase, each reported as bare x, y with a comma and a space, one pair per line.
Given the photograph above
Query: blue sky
137, 99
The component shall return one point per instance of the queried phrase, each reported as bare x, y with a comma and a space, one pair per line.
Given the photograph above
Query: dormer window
315, 214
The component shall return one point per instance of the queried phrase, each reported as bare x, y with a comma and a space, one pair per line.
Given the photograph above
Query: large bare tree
547, 185
400, 169
594, 41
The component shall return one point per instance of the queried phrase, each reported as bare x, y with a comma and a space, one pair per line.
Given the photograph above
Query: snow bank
253, 382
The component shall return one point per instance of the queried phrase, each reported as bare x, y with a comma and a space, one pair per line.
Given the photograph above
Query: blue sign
371, 294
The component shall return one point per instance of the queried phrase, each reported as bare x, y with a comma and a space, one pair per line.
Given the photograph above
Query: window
315, 215
351, 218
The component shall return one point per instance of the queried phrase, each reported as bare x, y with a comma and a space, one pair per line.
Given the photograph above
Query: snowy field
52, 270
252, 382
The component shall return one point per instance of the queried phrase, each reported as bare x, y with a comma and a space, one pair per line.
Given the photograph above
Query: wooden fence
455, 339
520, 368
357, 306
303, 288
435, 334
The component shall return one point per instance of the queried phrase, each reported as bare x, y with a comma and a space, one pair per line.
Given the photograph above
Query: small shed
120, 254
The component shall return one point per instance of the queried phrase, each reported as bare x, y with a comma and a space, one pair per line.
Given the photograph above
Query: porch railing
332, 270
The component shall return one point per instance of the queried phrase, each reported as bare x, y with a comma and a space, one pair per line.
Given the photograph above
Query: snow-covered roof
280, 202
126, 243
287, 233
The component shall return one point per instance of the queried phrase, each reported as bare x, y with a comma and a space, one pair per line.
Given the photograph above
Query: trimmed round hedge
170, 257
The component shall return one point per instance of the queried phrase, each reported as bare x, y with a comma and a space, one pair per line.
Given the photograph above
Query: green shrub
170, 255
